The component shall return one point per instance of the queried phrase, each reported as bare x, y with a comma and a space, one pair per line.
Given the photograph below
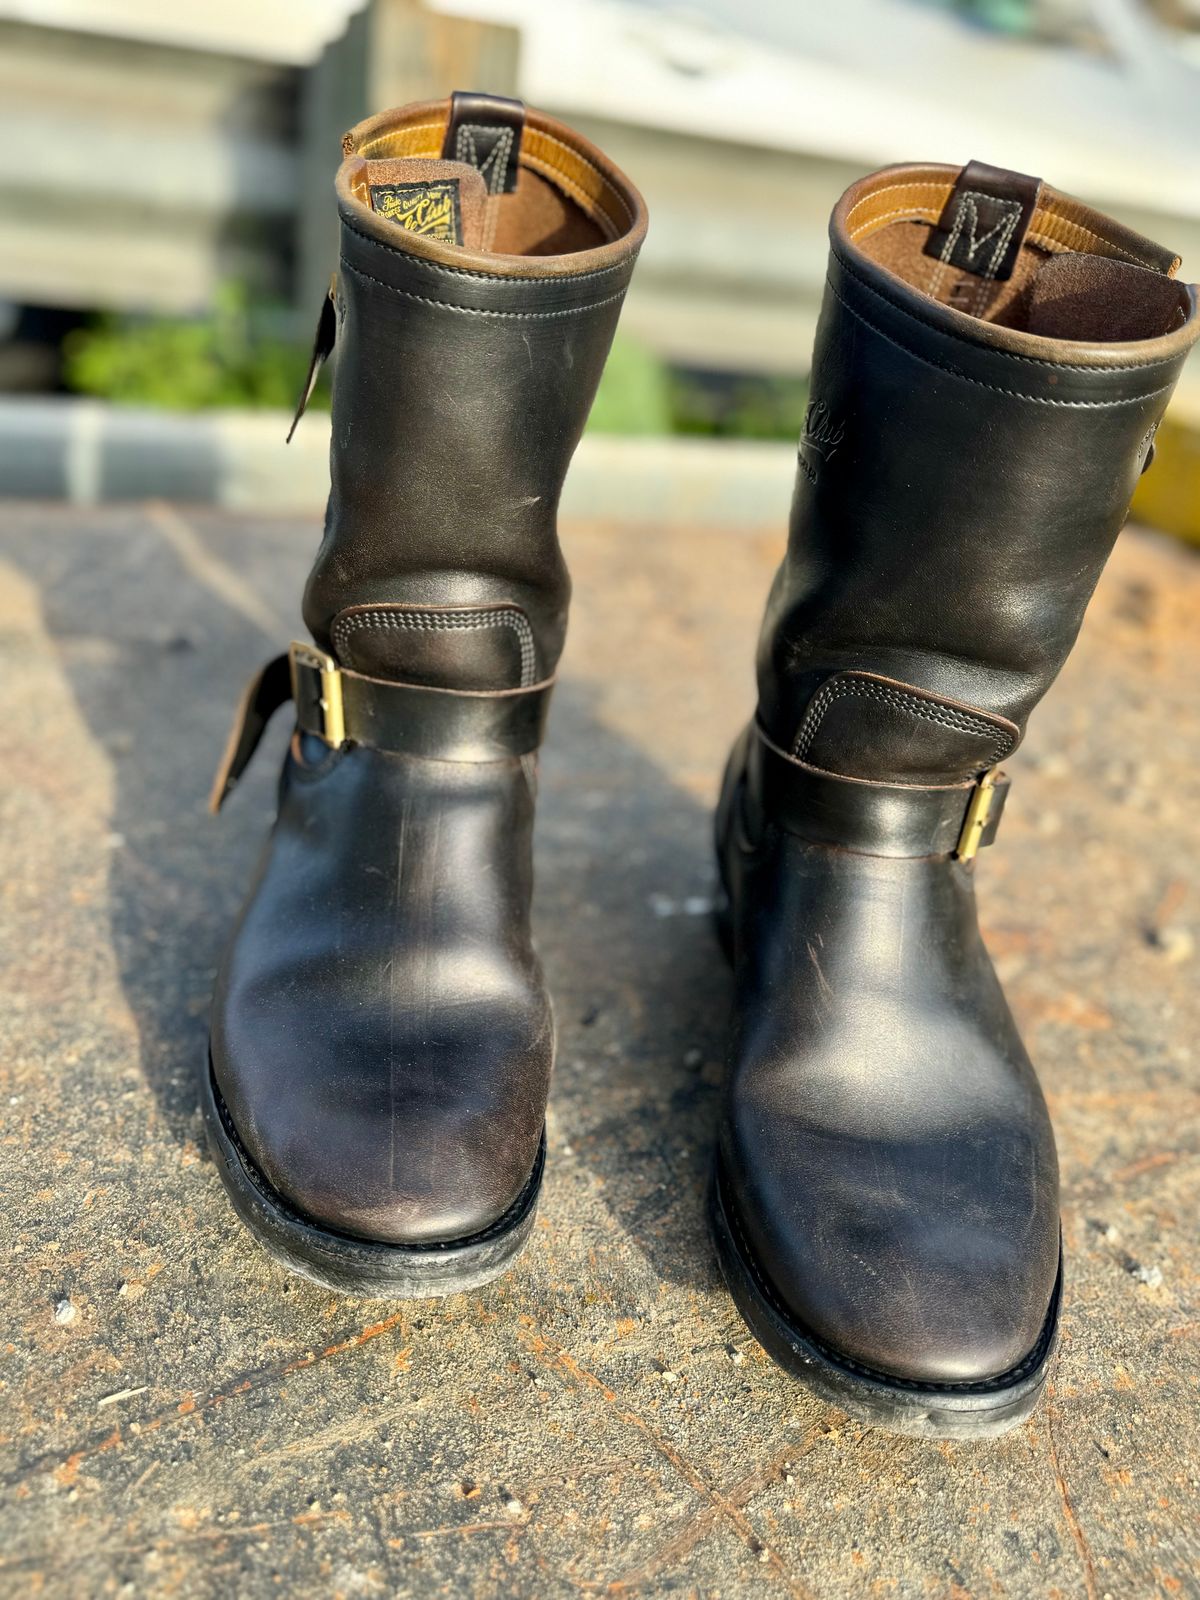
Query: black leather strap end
323, 342
877, 819
485, 132
267, 690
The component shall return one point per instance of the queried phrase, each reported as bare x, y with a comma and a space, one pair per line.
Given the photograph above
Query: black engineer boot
991, 363
382, 1040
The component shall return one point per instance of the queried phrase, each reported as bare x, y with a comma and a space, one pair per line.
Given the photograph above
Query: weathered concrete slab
179, 1418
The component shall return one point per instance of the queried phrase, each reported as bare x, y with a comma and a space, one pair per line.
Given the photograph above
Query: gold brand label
430, 209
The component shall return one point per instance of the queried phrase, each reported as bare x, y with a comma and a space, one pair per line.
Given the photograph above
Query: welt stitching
996, 388
483, 311
488, 277
376, 1248
435, 623
1008, 355
946, 716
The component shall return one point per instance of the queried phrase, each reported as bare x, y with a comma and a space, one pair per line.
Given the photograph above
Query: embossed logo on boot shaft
820, 438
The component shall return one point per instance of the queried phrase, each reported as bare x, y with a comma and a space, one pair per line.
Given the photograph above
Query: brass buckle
317, 691
978, 813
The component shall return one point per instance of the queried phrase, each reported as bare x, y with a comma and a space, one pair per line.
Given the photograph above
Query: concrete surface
179, 1418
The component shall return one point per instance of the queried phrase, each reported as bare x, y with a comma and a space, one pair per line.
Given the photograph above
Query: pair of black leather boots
991, 363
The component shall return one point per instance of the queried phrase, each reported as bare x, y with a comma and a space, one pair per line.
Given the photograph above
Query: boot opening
547, 194
1076, 275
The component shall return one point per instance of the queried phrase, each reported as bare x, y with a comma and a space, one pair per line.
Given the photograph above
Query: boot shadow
626, 889
155, 644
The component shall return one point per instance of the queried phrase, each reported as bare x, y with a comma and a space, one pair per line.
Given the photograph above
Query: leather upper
462, 384
381, 1035
885, 1140
886, 1153
960, 487
381, 1032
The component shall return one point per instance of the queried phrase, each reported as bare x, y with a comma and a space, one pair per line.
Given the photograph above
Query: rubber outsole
952, 1411
368, 1268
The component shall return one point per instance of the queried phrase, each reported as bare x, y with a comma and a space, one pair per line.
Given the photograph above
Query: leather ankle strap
344, 707
876, 819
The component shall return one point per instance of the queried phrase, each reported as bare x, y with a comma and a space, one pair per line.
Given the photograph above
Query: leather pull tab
485, 132
267, 690
984, 222
323, 342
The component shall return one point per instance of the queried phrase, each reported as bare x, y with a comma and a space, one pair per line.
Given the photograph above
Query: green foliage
634, 396
1001, 16
226, 358
737, 406
231, 358
641, 394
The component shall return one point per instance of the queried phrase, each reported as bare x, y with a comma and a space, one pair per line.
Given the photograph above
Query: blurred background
167, 227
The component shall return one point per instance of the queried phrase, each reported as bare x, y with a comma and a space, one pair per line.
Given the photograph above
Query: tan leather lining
890, 216
907, 199
560, 163
1059, 222
542, 152
422, 139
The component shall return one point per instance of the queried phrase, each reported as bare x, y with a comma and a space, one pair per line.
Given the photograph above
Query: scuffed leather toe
886, 1147
381, 1034
911, 1274
372, 1153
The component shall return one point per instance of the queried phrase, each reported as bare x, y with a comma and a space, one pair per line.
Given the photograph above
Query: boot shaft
485, 253
991, 363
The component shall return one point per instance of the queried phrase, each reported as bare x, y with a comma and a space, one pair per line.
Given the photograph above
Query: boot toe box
414, 1127
934, 1264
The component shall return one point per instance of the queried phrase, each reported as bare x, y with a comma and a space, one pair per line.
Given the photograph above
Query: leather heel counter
863, 725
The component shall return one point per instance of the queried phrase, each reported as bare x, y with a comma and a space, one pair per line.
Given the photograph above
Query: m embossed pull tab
485, 132
984, 223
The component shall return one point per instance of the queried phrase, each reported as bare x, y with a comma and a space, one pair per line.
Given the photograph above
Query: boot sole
952, 1411
368, 1268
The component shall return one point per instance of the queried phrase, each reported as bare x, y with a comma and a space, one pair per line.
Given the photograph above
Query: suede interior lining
473, 197
1118, 288
562, 203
